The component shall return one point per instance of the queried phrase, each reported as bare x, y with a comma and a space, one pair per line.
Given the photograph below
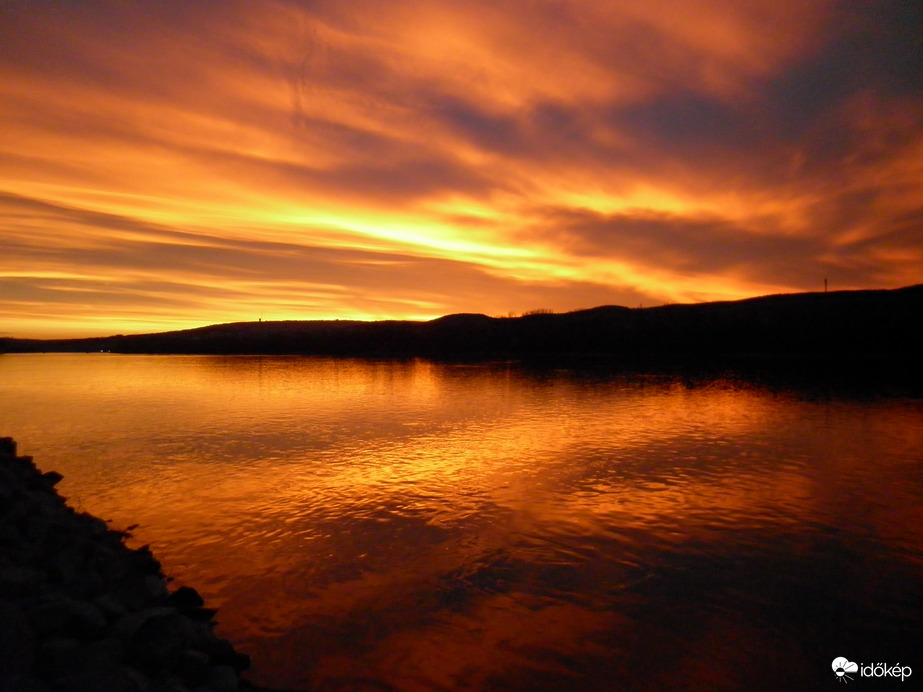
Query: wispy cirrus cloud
413, 158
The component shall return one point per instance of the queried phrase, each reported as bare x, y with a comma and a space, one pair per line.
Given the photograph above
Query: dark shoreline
792, 328
83, 611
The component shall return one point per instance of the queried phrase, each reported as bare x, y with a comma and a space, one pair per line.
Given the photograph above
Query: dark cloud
869, 53
692, 126
420, 157
496, 133
685, 245
390, 181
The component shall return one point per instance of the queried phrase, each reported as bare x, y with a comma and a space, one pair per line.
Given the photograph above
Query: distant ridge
815, 325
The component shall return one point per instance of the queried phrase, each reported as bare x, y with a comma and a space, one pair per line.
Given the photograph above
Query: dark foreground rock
80, 611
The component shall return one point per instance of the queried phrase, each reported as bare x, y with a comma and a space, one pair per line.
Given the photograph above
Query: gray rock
59, 657
155, 587
19, 580
140, 591
23, 684
8, 446
82, 612
108, 560
221, 679
203, 638
116, 678
93, 525
157, 637
192, 666
127, 625
51, 479
110, 606
186, 597
143, 559
61, 614
17, 641
171, 685
223, 652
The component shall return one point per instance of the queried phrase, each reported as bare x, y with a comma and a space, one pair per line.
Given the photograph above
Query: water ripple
422, 527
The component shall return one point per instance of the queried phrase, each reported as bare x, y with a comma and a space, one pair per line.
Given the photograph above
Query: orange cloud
329, 160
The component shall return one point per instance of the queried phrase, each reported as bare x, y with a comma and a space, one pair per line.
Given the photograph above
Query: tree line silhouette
841, 323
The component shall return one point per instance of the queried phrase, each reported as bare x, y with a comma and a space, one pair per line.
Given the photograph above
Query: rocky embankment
81, 611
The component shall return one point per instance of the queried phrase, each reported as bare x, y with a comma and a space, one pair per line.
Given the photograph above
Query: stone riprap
82, 611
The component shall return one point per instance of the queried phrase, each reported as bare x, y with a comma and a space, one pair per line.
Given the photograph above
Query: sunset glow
170, 165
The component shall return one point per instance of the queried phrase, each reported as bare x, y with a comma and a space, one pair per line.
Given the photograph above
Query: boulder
58, 614
17, 641
154, 638
82, 612
221, 679
192, 666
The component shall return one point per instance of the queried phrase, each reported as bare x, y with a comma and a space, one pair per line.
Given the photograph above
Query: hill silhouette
877, 323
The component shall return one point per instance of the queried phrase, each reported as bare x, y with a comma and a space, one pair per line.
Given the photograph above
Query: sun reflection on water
435, 526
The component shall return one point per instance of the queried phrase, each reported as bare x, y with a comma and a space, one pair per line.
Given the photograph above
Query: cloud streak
176, 164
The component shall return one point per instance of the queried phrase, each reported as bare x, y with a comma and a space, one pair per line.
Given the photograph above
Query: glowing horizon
174, 165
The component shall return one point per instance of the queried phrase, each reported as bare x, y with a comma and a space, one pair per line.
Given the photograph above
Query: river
415, 526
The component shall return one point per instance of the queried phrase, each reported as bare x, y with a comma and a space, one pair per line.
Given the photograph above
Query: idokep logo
842, 667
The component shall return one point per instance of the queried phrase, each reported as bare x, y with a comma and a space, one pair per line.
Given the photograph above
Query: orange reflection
430, 512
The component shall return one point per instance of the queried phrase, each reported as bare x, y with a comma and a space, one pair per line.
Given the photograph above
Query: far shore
872, 326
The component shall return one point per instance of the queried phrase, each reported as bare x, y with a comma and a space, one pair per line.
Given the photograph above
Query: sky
178, 163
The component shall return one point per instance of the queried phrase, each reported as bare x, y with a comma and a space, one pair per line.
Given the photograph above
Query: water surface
406, 525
